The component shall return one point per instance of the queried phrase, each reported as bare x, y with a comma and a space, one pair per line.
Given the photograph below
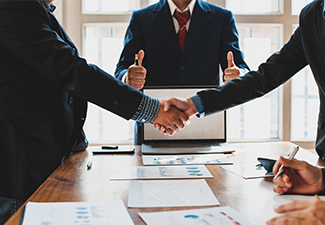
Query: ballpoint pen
291, 155
136, 60
89, 164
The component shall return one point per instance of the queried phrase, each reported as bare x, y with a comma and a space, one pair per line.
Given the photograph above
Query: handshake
173, 114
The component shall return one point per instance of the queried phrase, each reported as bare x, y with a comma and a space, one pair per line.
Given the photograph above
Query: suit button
124, 106
71, 100
181, 68
68, 134
115, 102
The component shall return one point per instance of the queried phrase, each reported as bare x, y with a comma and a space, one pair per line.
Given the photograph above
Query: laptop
204, 135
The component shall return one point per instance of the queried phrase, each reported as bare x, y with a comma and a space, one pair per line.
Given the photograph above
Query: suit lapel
165, 25
199, 21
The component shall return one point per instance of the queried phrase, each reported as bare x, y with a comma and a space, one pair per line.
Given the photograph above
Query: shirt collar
173, 7
50, 7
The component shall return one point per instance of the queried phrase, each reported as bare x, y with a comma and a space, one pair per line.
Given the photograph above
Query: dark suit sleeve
133, 43
229, 42
30, 33
280, 67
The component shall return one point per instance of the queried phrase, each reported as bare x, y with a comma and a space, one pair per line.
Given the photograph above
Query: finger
285, 220
293, 206
228, 77
166, 105
230, 59
280, 190
169, 132
140, 57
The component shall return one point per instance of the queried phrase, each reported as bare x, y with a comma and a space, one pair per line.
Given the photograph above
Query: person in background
44, 89
180, 42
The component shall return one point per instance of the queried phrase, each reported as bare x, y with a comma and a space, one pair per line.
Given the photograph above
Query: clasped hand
174, 114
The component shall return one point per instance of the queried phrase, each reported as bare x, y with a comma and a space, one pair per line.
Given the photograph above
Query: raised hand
172, 120
136, 76
298, 177
232, 72
300, 212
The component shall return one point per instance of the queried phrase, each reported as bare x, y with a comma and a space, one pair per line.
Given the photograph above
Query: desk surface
73, 182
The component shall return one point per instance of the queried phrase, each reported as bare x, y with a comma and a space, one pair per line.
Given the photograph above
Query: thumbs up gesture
232, 72
137, 73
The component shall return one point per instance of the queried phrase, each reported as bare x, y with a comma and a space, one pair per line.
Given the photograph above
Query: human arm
298, 177
47, 56
300, 212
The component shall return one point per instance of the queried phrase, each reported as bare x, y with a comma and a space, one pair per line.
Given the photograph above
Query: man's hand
298, 177
137, 73
185, 105
172, 120
232, 72
300, 212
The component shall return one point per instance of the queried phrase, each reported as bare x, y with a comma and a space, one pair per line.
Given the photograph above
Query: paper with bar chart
67, 213
220, 159
170, 193
160, 172
208, 216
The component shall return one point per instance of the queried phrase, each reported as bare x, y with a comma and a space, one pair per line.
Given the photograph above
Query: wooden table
73, 182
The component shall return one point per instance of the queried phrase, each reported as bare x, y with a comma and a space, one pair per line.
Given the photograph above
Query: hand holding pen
136, 74
297, 176
291, 155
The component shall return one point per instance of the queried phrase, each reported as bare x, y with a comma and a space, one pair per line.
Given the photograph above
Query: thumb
230, 59
166, 105
140, 57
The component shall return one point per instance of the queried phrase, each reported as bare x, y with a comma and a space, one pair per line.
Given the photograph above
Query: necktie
182, 19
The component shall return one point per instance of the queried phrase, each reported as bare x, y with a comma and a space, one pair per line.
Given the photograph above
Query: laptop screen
208, 129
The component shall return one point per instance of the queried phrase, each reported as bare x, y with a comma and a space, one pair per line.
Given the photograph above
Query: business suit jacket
212, 33
44, 89
306, 46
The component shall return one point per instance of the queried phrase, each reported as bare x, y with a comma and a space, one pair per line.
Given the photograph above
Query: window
253, 6
103, 44
258, 119
263, 26
109, 6
305, 105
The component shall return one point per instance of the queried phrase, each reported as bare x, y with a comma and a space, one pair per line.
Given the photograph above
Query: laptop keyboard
183, 145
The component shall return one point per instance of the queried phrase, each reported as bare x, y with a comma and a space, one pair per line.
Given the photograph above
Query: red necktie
182, 19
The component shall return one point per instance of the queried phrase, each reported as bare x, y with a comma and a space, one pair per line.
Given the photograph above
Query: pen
89, 164
292, 154
136, 60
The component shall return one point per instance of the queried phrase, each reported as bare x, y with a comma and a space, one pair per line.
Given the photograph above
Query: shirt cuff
124, 77
199, 105
147, 110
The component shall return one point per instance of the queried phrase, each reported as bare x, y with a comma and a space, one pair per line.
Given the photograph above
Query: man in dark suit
305, 47
211, 34
44, 89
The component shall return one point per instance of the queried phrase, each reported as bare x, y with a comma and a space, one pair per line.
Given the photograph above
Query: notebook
204, 135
